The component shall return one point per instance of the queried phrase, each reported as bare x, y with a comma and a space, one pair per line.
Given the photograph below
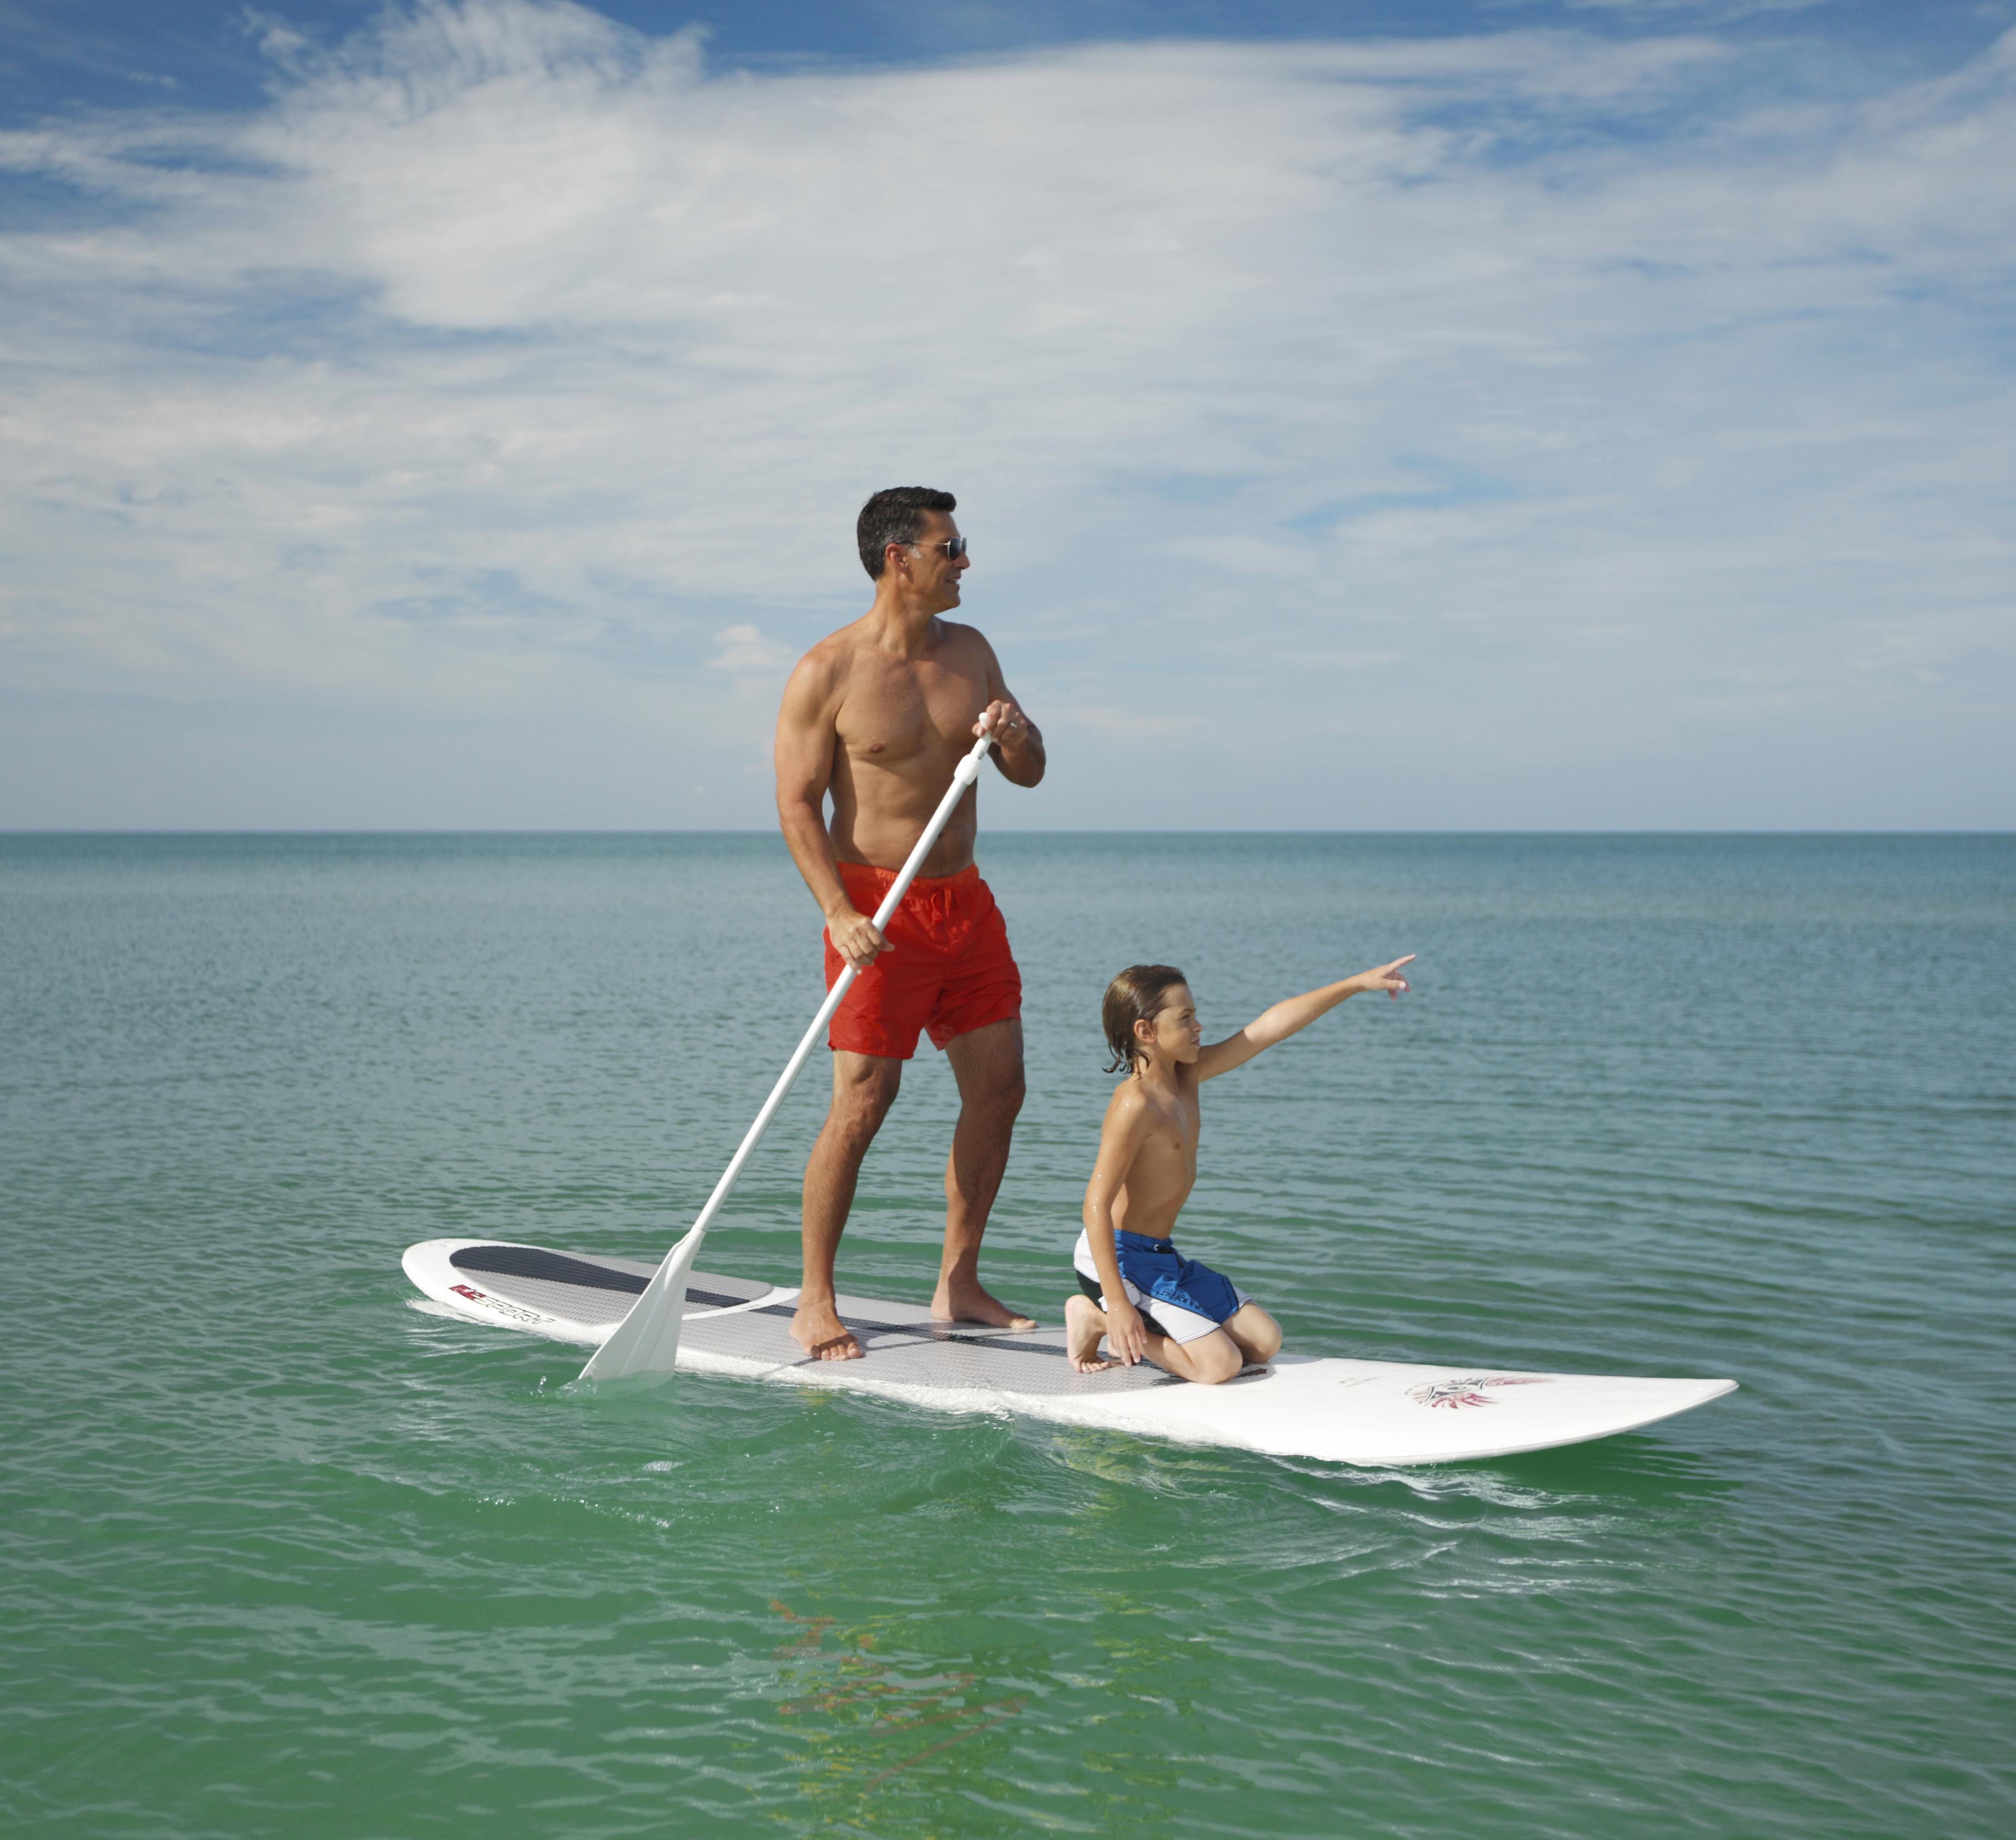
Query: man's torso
902, 724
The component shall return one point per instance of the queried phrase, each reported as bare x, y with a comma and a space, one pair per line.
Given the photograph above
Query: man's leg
864, 1087
986, 1062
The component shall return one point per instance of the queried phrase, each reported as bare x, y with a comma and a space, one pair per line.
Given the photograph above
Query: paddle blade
647, 1340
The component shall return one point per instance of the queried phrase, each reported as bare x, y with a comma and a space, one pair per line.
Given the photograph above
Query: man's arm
806, 738
1293, 1015
1119, 1140
1018, 749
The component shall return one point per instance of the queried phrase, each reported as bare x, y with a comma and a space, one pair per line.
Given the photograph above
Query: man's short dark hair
895, 515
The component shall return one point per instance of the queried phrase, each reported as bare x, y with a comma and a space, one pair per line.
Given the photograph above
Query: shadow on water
1628, 1470
1633, 1469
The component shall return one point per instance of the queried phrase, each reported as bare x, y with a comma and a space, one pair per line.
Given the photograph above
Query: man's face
934, 576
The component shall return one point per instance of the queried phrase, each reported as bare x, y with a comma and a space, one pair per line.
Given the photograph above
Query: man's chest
895, 711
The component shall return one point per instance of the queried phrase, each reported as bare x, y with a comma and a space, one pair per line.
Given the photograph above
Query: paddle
647, 1340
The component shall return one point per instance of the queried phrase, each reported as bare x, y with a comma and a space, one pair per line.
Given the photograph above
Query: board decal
1455, 1394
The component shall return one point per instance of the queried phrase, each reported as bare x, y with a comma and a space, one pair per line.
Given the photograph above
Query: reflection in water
868, 1720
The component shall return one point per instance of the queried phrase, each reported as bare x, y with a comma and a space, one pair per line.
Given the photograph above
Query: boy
1140, 1293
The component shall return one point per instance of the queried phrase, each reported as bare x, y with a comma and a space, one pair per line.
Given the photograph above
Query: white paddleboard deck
1334, 1411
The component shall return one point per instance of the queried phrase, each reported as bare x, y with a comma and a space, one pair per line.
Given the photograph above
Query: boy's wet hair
895, 515
1136, 995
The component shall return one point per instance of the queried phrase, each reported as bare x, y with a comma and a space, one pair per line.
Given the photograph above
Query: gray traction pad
900, 1343
584, 1303
911, 1350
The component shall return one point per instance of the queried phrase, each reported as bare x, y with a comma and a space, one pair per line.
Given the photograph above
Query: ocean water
283, 1556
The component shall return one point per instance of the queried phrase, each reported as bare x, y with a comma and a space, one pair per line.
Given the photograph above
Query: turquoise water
283, 1556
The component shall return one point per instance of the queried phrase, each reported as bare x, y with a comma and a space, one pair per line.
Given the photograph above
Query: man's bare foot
818, 1329
966, 1303
1085, 1322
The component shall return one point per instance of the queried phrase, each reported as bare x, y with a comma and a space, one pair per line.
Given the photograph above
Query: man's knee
1002, 1102
860, 1105
997, 1099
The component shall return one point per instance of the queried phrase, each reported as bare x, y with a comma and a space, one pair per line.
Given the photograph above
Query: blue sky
1492, 416
64, 54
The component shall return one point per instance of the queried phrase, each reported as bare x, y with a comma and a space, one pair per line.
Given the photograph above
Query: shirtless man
878, 714
1139, 1291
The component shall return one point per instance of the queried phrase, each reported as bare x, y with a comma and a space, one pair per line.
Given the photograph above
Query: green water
284, 1557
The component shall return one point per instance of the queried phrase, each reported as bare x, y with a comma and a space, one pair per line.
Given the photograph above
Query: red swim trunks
948, 969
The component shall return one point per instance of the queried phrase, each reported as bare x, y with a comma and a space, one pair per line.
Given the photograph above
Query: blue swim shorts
1180, 1297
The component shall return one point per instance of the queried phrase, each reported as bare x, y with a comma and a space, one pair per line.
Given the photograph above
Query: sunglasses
954, 547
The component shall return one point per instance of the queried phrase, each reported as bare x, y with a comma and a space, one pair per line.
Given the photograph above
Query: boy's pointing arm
1292, 1015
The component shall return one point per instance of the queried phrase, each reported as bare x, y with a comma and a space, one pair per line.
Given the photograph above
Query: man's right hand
855, 937
1125, 1333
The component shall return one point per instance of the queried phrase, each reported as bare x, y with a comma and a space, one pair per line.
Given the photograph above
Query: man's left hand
1007, 723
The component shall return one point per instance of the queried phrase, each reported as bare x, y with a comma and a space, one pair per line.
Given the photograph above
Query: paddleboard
1329, 1408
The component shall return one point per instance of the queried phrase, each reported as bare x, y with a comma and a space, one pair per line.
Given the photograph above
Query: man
878, 714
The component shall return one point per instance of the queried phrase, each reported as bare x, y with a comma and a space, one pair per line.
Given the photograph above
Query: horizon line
1155, 831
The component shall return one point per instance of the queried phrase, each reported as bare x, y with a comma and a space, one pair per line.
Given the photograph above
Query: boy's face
1175, 1034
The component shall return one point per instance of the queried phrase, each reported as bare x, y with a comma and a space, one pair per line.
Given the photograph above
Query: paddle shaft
964, 775
646, 1342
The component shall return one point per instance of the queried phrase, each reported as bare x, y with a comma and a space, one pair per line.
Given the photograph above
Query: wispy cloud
509, 367
743, 651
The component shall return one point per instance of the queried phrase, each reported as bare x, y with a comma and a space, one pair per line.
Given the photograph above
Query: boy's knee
1217, 1361
1256, 1333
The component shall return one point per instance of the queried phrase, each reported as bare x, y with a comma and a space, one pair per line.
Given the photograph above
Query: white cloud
506, 361
743, 651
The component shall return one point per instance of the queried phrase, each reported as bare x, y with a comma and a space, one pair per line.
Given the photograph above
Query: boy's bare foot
818, 1329
963, 1300
1083, 1324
